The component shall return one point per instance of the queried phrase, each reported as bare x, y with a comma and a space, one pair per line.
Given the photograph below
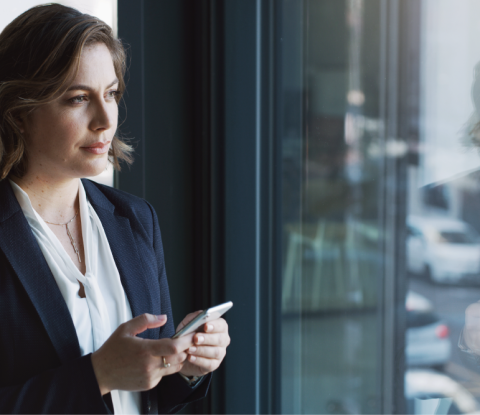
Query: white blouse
106, 305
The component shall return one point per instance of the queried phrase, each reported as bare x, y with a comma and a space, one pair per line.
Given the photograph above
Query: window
379, 110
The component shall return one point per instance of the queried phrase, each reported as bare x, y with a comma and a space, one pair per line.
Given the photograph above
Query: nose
104, 116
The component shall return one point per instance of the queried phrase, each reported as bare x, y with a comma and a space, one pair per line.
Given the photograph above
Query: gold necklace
74, 244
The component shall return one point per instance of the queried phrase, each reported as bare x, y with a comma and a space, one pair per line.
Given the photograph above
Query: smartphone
204, 317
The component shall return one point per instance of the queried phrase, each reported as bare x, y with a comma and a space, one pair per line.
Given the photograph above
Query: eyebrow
88, 88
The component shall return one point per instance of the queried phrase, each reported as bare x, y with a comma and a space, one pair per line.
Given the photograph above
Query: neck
54, 200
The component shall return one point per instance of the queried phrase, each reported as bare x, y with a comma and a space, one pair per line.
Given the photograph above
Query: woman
85, 311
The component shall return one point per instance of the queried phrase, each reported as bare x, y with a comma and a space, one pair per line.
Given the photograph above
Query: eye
113, 94
78, 100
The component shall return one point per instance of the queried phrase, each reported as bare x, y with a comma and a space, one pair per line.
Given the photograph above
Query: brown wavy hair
39, 59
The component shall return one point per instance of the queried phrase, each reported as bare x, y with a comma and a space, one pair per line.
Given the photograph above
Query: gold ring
165, 364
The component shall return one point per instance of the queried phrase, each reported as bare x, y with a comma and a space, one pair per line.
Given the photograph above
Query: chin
94, 169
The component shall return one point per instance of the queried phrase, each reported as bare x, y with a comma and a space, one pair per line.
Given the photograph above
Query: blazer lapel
124, 249
22, 251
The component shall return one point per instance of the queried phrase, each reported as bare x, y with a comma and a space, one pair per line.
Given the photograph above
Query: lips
97, 148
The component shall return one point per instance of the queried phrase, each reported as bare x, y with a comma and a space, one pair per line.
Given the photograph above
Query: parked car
443, 249
427, 337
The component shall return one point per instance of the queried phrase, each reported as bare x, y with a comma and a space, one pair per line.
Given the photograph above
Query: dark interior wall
168, 115
168, 84
158, 119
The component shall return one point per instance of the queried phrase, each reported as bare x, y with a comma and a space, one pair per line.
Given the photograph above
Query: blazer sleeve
173, 393
71, 388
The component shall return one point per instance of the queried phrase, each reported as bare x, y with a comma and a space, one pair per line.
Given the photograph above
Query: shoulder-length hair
39, 59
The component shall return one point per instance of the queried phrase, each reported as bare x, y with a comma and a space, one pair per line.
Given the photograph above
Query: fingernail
192, 358
200, 339
192, 350
209, 327
161, 317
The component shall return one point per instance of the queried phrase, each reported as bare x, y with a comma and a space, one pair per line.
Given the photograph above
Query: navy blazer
41, 369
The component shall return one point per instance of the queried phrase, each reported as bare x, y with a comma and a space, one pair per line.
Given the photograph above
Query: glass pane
332, 185
380, 111
443, 255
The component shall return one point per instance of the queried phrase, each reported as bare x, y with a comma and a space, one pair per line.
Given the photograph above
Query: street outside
450, 302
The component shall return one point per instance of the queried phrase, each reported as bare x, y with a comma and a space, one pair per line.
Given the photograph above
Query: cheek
114, 118
70, 130
63, 133
54, 135
68, 127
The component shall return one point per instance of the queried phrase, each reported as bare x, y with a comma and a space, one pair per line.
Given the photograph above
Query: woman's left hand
209, 349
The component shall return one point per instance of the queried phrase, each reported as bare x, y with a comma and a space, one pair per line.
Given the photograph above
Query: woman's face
70, 137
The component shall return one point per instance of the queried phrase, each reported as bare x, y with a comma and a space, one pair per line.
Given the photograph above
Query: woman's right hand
127, 362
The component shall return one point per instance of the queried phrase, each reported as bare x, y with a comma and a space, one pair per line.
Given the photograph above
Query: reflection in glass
443, 246
332, 261
380, 112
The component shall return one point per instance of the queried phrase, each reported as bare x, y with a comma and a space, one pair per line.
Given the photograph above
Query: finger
143, 322
215, 339
165, 371
175, 359
204, 364
168, 347
216, 326
210, 352
188, 318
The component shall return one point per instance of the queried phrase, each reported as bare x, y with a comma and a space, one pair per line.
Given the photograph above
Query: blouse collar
27, 207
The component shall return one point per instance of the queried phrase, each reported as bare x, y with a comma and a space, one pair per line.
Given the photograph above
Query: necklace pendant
72, 241
74, 244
